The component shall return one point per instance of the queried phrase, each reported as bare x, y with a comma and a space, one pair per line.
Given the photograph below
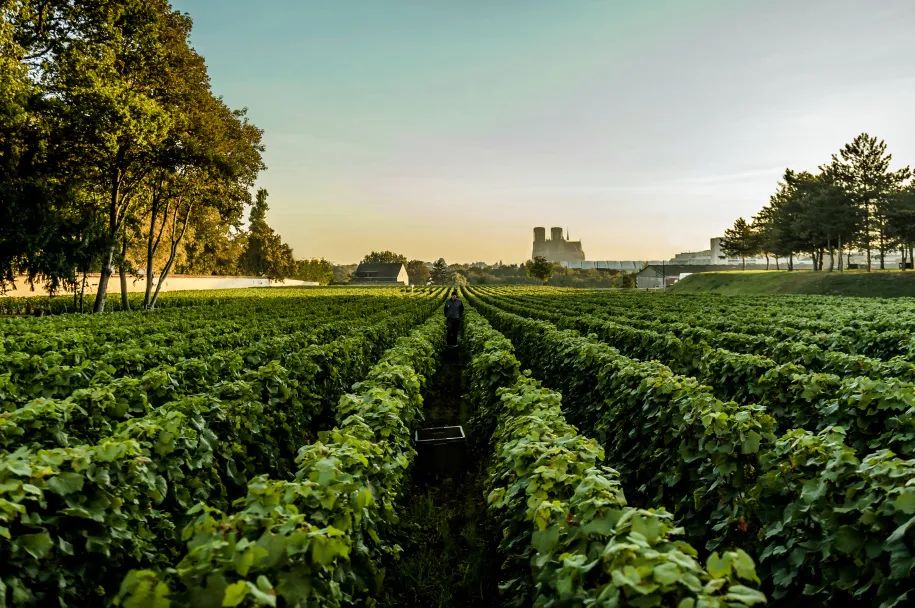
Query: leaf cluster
314, 540
716, 463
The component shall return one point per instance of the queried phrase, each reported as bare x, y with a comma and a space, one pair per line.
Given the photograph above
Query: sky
450, 128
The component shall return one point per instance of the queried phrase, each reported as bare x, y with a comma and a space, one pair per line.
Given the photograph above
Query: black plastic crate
441, 450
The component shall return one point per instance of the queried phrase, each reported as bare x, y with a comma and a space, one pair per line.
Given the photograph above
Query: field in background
885, 283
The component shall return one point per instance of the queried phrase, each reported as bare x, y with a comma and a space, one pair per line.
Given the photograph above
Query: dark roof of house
378, 271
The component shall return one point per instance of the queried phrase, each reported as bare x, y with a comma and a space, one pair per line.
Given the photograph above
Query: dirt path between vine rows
449, 552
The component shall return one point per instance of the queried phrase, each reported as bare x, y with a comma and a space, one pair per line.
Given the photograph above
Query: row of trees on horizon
853, 203
536, 271
115, 153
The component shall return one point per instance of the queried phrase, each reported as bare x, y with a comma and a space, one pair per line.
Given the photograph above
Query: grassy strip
883, 284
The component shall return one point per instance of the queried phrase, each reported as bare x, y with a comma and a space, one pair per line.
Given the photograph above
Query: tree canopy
384, 257
540, 268
265, 254
739, 240
854, 201
418, 271
318, 270
115, 153
439, 273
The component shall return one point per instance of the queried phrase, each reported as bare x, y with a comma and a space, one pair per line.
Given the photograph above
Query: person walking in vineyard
454, 314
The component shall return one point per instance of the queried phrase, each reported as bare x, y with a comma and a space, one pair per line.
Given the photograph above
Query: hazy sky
453, 127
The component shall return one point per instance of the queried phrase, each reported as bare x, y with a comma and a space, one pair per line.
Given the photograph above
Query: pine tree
861, 169
439, 273
739, 241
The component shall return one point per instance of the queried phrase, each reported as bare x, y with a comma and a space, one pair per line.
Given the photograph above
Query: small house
380, 274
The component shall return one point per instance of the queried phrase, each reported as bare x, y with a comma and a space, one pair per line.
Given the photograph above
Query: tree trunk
173, 251
767, 260
867, 233
162, 275
840, 254
152, 244
99, 305
882, 247
791, 261
82, 292
149, 280
149, 253
777, 265
125, 303
113, 225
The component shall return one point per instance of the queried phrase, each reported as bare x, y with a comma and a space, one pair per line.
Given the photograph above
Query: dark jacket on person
454, 309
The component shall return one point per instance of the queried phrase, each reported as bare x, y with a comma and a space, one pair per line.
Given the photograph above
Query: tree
807, 213
49, 230
15, 92
384, 257
901, 222
861, 169
265, 253
740, 241
459, 280
213, 246
343, 274
776, 223
418, 272
106, 80
108, 126
211, 165
826, 217
540, 268
317, 270
439, 273
209, 159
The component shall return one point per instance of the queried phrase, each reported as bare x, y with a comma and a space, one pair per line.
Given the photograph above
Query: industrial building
609, 265
714, 256
557, 248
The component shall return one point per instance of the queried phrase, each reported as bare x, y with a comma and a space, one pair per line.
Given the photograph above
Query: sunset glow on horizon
452, 129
